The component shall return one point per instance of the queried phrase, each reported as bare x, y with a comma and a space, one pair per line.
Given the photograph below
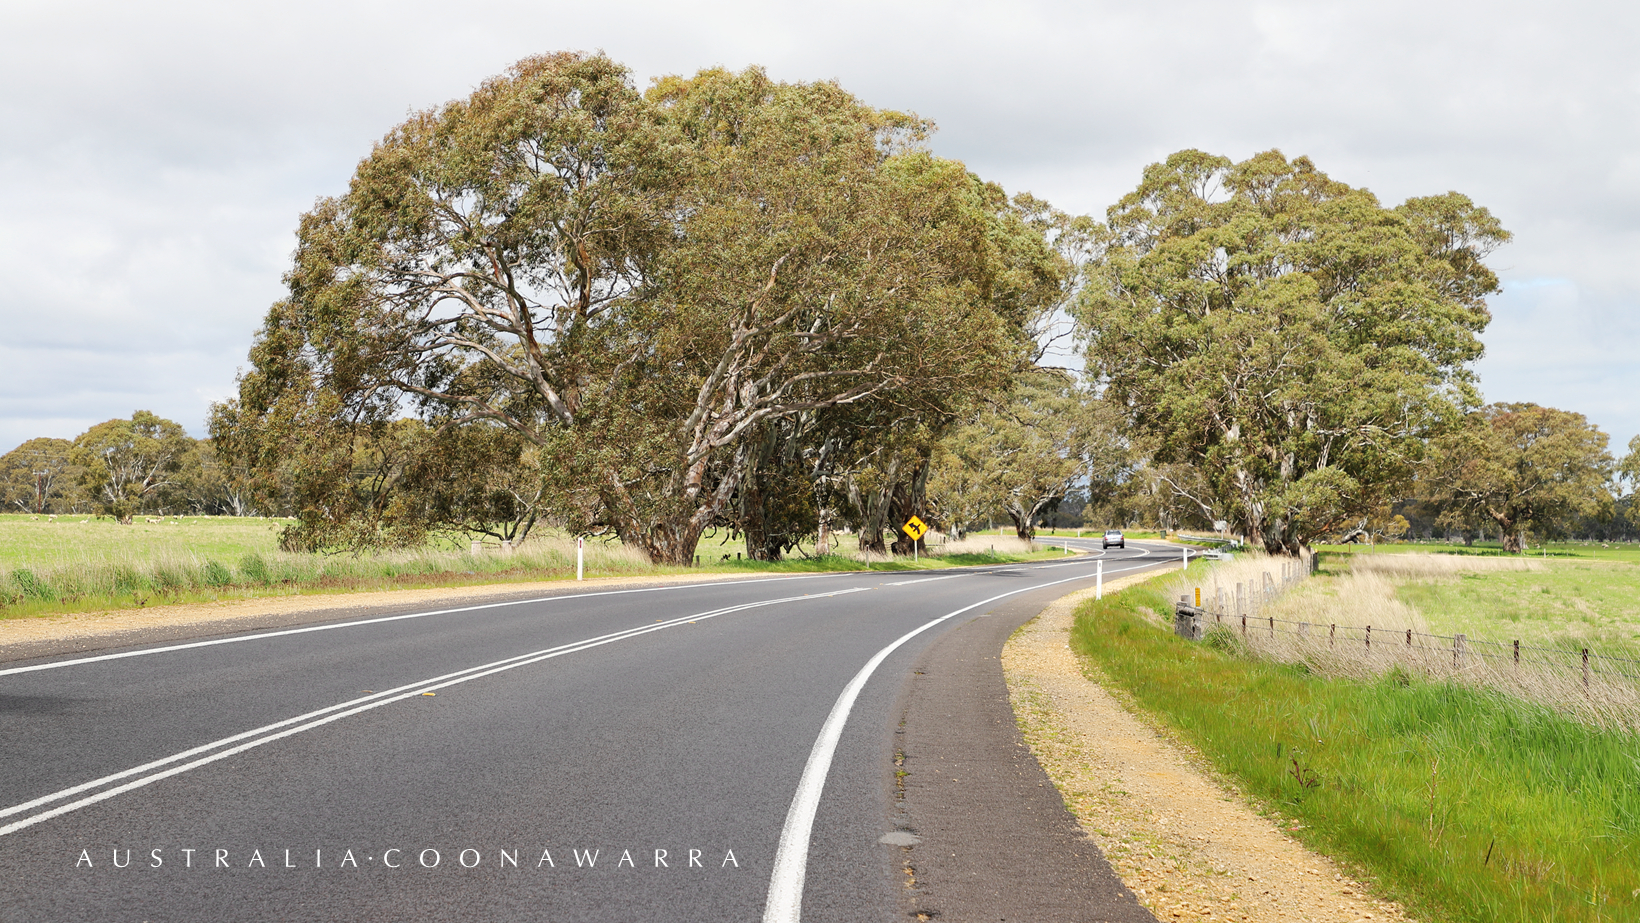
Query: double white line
177, 763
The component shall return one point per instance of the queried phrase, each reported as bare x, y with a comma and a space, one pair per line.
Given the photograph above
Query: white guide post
1184, 558
580, 558
1099, 579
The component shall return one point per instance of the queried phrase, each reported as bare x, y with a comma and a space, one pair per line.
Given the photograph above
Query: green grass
51, 568
43, 544
1463, 804
1578, 595
1566, 602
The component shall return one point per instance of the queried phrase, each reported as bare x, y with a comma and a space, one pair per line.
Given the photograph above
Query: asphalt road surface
827, 748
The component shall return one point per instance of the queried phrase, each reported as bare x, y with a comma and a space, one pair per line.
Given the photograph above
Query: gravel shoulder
1189, 846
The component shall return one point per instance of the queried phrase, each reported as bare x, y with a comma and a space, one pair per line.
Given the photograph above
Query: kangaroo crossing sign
915, 528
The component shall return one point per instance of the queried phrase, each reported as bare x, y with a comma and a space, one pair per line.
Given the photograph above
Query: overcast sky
154, 157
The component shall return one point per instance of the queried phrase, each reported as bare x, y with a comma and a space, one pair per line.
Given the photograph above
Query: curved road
773, 749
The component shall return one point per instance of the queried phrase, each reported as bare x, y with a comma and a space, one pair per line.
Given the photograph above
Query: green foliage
634, 286
1023, 452
40, 477
30, 585
1520, 467
254, 568
128, 465
1463, 804
1284, 335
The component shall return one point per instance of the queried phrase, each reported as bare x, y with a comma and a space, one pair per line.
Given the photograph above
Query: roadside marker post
1099, 579
580, 557
1184, 562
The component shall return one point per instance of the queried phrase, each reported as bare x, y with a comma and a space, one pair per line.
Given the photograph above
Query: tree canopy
1521, 467
637, 286
1285, 335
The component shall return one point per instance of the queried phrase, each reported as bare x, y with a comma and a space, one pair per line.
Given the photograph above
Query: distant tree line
121, 468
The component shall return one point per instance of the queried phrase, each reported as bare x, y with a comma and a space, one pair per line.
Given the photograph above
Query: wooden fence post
1369, 639
1459, 645
1585, 668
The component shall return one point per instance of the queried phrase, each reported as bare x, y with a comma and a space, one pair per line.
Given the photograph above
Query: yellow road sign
916, 528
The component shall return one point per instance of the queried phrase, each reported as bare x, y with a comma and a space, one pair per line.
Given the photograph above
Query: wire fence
1601, 688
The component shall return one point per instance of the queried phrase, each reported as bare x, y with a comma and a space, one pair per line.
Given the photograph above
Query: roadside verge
1190, 848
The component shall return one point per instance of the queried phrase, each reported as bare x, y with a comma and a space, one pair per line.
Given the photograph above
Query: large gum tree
636, 284
1286, 335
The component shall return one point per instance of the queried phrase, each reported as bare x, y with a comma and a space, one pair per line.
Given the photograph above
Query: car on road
1114, 537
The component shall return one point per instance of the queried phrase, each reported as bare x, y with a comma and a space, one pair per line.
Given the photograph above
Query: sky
155, 157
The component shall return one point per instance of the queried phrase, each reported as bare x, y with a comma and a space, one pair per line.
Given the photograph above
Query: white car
1114, 537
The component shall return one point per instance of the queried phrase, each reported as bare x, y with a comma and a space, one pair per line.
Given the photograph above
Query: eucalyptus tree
1519, 467
635, 285
38, 476
1025, 451
1285, 335
127, 465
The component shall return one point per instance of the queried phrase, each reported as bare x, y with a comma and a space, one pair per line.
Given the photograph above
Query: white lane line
923, 580
785, 901
346, 709
387, 618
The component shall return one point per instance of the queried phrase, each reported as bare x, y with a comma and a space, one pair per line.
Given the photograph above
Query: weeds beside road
1463, 803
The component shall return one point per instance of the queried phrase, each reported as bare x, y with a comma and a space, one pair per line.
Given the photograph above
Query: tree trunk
874, 508
1024, 523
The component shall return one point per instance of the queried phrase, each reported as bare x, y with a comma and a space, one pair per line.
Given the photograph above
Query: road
771, 749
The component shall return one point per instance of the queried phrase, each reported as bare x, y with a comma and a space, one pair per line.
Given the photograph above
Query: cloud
155, 157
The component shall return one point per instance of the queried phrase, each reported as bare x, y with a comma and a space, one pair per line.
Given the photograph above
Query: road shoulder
978, 831
1190, 848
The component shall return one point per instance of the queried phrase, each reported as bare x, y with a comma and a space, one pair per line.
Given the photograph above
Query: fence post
1272, 628
1244, 626
1409, 639
1369, 638
1517, 653
1332, 636
1459, 645
1585, 668
1241, 602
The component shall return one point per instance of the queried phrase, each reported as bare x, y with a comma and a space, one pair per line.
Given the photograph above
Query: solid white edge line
785, 900
393, 618
360, 705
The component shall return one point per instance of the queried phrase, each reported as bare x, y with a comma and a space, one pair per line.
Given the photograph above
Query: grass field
84, 564
39, 543
1463, 804
1576, 596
